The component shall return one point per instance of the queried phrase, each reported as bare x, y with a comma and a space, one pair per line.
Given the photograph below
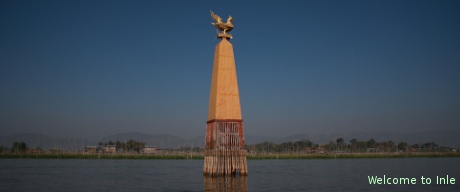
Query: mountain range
448, 138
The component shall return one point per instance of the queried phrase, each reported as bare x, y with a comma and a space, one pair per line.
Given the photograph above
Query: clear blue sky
88, 69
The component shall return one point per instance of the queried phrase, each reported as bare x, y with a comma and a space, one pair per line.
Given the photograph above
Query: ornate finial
223, 27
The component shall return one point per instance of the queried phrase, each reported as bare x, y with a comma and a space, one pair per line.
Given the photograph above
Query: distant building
57, 151
109, 149
35, 151
411, 149
150, 150
373, 150
90, 149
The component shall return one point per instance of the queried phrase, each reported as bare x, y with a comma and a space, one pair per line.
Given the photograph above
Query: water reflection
225, 183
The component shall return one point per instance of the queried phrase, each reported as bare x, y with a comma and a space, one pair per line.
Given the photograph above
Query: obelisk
224, 152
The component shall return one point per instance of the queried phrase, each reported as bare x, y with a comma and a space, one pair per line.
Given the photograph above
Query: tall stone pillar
224, 153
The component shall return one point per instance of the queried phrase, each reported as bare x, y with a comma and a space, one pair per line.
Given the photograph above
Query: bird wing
216, 17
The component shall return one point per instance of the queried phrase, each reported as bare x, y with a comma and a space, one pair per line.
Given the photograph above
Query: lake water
186, 175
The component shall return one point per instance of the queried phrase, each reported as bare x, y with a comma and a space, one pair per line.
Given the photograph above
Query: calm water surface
186, 175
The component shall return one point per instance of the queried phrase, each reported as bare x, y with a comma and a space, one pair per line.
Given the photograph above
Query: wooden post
224, 153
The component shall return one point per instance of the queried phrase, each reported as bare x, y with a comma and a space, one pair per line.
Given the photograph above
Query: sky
88, 69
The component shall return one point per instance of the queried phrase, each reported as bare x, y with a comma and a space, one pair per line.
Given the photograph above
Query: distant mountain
449, 138
162, 141
198, 141
254, 139
298, 137
34, 140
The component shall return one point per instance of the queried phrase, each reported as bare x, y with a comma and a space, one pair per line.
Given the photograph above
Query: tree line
131, 145
17, 147
340, 146
301, 146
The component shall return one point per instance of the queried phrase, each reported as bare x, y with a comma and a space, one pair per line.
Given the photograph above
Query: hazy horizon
85, 69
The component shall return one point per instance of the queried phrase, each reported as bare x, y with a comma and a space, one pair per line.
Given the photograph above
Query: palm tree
19, 147
353, 144
340, 142
371, 143
402, 146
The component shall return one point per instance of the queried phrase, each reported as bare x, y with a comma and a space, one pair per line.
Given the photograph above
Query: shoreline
249, 157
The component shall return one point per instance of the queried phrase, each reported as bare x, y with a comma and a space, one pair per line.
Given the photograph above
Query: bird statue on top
224, 27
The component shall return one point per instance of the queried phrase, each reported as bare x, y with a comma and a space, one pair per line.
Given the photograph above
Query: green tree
362, 145
315, 146
19, 147
430, 146
353, 142
402, 146
330, 146
133, 145
3, 149
339, 142
386, 146
391, 145
264, 147
371, 143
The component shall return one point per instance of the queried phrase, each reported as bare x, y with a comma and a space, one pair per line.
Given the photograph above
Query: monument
224, 151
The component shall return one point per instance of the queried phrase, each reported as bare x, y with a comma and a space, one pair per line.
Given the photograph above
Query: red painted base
224, 152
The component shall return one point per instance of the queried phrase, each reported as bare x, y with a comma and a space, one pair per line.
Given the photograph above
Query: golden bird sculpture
224, 27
